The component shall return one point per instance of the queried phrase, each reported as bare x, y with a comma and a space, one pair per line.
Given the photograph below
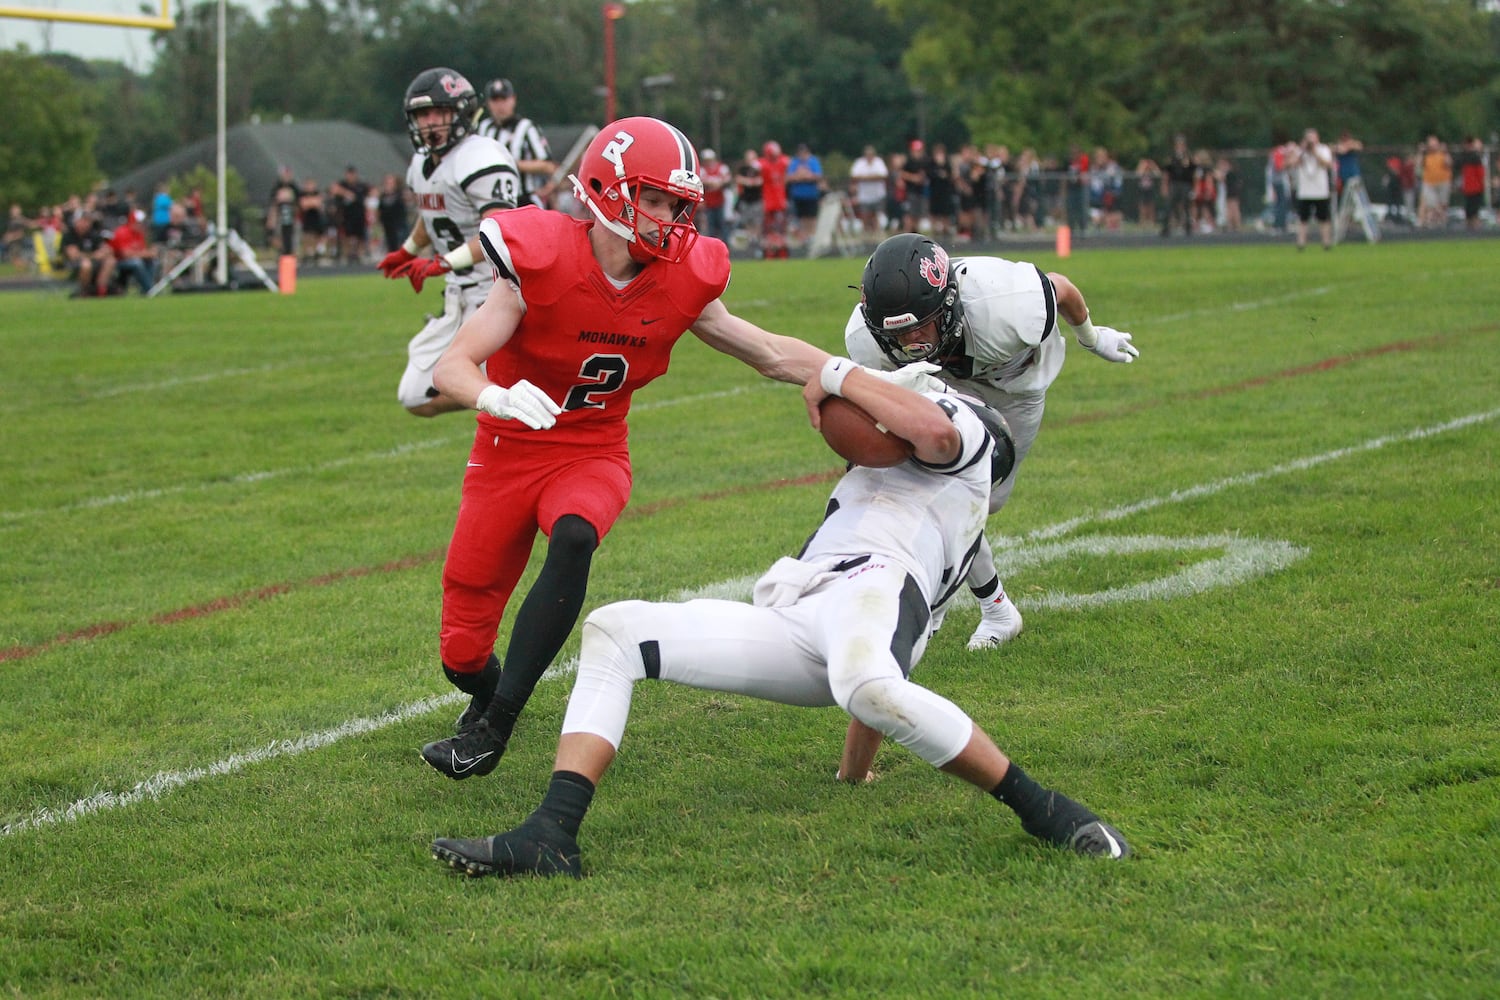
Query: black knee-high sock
546, 618
568, 796
479, 685
1048, 815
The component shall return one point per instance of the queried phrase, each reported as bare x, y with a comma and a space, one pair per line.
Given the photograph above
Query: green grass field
1261, 576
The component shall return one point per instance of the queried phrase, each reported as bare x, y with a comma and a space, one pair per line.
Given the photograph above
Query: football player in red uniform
583, 313
843, 623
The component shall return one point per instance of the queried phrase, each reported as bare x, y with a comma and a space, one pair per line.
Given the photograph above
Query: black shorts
806, 208
1309, 207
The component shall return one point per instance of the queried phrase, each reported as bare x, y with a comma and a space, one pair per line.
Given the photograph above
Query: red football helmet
626, 156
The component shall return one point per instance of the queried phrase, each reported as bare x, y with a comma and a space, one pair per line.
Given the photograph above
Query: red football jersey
584, 342
773, 182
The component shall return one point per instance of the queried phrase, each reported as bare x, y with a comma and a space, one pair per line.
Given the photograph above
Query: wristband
1085, 332
410, 246
461, 258
835, 370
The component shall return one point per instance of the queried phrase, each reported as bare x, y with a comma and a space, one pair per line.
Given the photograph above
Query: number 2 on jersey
605, 374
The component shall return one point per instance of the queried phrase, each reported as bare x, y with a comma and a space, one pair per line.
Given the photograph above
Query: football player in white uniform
457, 177
988, 327
843, 623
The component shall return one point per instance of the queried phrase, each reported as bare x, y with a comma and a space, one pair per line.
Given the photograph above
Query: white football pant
840, 644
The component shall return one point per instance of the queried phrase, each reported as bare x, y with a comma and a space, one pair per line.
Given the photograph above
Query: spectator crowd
105, 242
767, 203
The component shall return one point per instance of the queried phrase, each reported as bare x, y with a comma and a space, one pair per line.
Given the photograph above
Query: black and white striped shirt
525, 142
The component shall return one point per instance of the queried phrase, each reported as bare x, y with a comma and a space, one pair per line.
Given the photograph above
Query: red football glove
421, 269
391, 263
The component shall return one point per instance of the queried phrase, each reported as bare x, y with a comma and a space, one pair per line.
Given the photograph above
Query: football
857, 438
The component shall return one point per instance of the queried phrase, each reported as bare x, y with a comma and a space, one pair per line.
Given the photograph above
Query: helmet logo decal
614, 150
638, 179
454, 85
935, 268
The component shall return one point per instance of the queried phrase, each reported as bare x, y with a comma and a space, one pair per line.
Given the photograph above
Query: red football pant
513, 489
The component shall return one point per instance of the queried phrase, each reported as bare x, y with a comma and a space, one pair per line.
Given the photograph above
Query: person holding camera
1311, 164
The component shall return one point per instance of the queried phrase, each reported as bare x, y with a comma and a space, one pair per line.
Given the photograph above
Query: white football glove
919, 376
1114, 345
522, 401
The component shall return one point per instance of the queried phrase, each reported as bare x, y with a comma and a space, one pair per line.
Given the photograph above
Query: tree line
837, 74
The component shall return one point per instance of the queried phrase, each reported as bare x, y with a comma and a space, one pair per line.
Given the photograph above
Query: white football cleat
999, 622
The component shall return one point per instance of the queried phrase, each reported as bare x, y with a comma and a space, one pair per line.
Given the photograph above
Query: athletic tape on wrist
1085, 332
461, 258
835, 370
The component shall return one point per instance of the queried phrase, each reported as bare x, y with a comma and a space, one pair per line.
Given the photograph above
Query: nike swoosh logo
460, 766
1114, 845
475, 465
648, 322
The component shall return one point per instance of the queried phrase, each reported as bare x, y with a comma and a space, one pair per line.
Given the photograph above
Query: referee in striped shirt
524, 140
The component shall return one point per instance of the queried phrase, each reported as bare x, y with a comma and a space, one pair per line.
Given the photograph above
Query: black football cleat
1099, 840
1066, 823
475, 751
533, 848
471, 715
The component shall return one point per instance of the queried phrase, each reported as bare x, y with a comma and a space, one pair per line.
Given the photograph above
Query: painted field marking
246, 478
134, 388
1243, 560
162, 782
1216, 310
1247, 478
1243, 557
11, 517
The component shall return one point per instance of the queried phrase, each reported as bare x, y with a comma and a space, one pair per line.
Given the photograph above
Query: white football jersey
453, 195
1010, 309
926, 519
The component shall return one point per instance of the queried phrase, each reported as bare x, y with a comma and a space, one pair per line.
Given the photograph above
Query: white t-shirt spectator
1310, 175
869, 174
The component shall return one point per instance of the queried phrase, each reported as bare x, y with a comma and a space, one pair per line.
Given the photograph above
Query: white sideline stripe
200, 378
159, 784
163, 782
247, 478
1243, 559
1247, 478
1243, 306
109, 392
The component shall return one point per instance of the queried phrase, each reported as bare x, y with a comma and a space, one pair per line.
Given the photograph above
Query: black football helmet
1003, 454
441, 87
909, 281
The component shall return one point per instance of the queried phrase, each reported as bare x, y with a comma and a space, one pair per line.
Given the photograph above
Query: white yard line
1246, 478
384, 454
164, 782
1279, 300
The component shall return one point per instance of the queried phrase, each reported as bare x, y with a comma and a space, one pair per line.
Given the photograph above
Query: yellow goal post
163, 22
